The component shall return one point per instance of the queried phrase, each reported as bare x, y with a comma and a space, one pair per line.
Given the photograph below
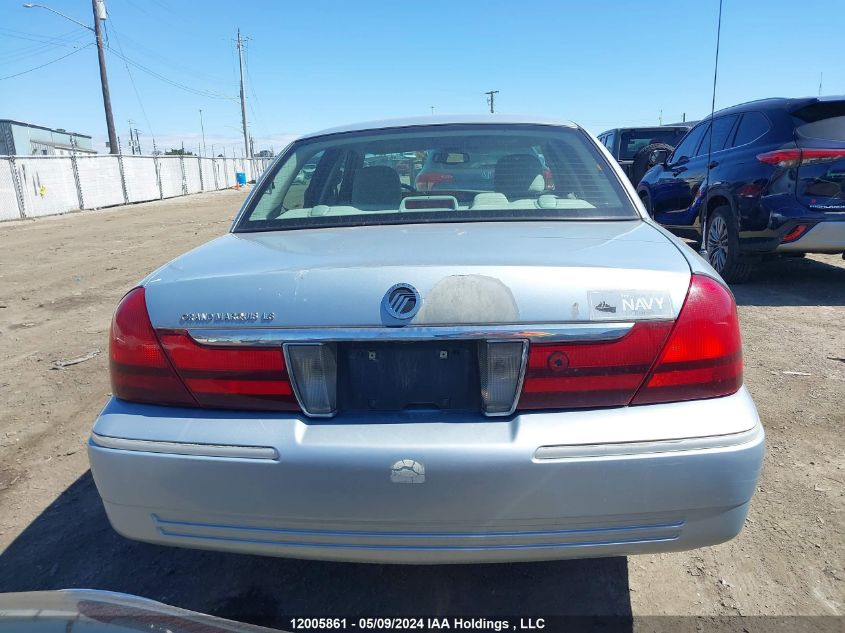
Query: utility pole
491, 99
202, 127
243, 94
99, 7
138, 142
660, 118
131, 137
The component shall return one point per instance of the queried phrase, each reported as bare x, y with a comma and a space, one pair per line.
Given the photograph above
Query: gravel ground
60, 279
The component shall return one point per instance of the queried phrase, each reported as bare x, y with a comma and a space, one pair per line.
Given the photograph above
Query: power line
132, 81
172, 65
172, 82
58, 59
35, 37
254, 95
50, 43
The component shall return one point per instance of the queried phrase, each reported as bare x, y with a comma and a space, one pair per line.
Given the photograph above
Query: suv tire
641, 163
722, 244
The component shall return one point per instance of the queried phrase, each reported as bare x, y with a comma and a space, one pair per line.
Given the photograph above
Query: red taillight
781, 157
140, 370
230, 377
428, 180
144, 366
605, 374
795, 233
813, 155
703, 356
697, 356
795, 157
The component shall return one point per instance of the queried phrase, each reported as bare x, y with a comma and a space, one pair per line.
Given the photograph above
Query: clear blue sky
314, 64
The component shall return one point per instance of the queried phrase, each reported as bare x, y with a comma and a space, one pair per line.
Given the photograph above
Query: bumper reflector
501, 368
313, 372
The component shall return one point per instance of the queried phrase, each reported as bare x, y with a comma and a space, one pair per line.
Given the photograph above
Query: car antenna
712, 112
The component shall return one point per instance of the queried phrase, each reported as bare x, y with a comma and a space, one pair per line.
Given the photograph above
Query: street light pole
99, 7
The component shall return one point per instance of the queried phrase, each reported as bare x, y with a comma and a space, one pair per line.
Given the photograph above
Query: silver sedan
364, 371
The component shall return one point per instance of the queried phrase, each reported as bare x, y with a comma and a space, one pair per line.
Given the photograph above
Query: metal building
25, 139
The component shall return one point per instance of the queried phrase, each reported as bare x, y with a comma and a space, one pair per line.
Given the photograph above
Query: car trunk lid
466, 273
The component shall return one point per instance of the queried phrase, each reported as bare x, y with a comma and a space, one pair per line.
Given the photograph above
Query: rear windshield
824, 120
633, 141
438, 174
819, 111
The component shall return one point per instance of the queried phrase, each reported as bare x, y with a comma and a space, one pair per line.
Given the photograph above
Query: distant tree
178, 152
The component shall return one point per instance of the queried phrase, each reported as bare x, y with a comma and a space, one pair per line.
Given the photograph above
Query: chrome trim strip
536, 333
520, 380
621, 449
184, 448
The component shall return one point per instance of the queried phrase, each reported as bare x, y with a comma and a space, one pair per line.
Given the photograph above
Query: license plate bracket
396, 376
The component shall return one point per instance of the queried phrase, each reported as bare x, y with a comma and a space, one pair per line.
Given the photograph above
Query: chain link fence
34, 186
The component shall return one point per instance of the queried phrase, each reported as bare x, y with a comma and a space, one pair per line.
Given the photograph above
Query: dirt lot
60, 279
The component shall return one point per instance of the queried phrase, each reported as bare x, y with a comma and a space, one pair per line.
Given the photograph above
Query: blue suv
764, 177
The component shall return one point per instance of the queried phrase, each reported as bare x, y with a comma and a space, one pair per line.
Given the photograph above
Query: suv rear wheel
723, 246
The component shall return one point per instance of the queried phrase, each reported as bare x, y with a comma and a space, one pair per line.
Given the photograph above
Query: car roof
678, 126
443, 119
776, 103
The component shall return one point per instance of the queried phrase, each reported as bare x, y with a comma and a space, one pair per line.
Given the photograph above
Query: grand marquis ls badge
402, 301
226, 317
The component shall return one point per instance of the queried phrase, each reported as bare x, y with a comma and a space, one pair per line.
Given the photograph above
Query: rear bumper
827, 236
537, 486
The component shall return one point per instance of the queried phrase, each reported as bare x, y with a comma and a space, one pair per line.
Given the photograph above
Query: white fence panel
192, 174
207, 168
170, 170
9, 209
48, 185
230, 170
99, 179
220, 169
141, 178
